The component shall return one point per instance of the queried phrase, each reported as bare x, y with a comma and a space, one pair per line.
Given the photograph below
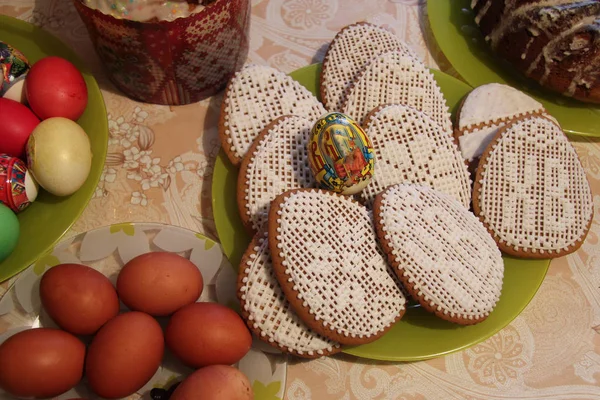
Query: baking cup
172, 62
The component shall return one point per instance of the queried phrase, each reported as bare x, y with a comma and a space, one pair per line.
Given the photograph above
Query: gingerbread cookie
267, 312
397, 78
440, 251
276, 162
486, 109
531, 191
330, 267
412, 148
349, 52
254, 97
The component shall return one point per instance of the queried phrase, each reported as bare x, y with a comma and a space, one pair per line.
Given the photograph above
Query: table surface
552, 350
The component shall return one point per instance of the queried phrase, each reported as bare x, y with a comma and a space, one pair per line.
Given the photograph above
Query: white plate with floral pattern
107, 249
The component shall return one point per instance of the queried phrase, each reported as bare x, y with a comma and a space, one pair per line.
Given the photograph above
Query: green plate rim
234, 240
8, 271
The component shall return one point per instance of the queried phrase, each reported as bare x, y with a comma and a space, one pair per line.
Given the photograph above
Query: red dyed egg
55, 88
17, 123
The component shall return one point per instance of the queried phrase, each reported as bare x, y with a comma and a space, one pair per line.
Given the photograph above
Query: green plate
419, 335
45, 221
454, 28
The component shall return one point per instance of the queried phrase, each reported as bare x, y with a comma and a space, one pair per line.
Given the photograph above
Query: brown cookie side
223, 129
242, 276
503, 246
399, 270
287, 284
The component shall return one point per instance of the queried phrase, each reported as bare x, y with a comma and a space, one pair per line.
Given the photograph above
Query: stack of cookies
326, 270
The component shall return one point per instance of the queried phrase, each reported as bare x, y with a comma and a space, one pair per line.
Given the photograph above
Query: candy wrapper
171, 62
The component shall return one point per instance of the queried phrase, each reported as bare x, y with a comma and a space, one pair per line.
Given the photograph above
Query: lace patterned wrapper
412, 148
256, 96
531, 191
330, 267
172, 62
350, 51
276, 162
441, 252
396, 78
266, 310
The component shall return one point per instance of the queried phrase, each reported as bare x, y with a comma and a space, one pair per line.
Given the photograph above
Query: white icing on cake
534, 194
442, 250
270, 312
412, 148
330, 255
279, 164
348, 54
257, 95
396, 78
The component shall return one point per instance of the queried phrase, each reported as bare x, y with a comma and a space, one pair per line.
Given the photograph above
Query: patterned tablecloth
551, 351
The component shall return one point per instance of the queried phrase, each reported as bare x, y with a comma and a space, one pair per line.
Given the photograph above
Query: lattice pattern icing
442, 250
330, 254
254, 97
269, 311
396, 78
412, 148
279, 164
348, 54
533, 192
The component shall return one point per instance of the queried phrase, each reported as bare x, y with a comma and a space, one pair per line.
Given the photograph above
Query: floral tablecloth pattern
159, 167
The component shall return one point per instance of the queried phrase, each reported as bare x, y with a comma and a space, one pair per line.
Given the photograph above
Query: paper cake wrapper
172, 62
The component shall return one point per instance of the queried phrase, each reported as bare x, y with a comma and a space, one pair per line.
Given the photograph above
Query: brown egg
78, 298
216, 382
41, 363
124, 355
202, 334
159, 283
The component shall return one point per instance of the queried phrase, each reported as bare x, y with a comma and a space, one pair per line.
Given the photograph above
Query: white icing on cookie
330, 255
348, 54
269, 311
534, 194
254, 97
442, 250
412, 148
396, 78
279, 164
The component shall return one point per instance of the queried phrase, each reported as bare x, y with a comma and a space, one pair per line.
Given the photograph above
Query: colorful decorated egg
14, 70
17, 187
340, 154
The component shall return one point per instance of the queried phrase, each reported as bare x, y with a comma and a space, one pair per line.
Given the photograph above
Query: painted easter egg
340, 154
14, 67
17, 187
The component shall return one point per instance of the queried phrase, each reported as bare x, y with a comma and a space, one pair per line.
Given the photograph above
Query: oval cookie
531, 191
267, 312
440, 251
254, 97
327, 260
349, 52
412, 148
396, 78
276, 162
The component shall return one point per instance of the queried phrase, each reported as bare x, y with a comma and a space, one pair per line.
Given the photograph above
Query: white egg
59, 155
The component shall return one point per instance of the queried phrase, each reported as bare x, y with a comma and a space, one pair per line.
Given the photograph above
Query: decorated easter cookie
276, 162
397, 78
440, 251
254, 97
531, 191
330, 267
486, 109
266, 310
412, 148
348, 54
340, 154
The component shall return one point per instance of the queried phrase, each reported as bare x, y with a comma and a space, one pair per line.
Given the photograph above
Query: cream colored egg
59, 155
